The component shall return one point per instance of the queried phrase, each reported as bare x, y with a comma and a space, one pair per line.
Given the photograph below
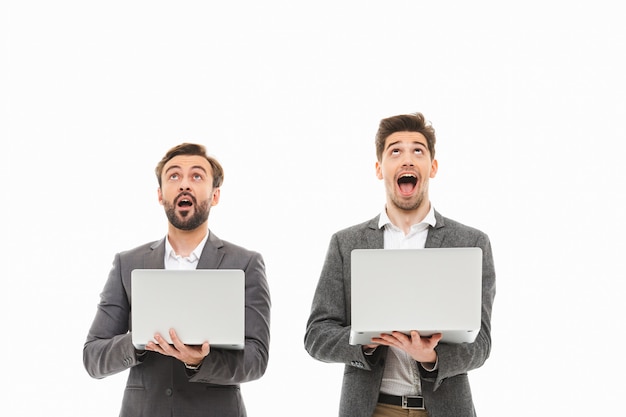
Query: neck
185, 241
404, 219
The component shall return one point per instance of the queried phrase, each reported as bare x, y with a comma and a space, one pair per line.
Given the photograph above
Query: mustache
186, 195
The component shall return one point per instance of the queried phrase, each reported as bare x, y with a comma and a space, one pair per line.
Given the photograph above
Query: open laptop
201, 305
433, 290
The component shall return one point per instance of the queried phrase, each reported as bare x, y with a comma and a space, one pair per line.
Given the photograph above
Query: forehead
186, 162
405, 138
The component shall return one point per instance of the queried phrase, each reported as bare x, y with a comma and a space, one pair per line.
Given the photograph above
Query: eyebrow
413, 143
200, 167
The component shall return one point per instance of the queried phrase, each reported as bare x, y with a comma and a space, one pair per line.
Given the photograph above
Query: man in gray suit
181, 380
398, 374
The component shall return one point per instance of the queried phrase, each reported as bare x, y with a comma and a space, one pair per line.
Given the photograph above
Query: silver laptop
201, 305
433, 290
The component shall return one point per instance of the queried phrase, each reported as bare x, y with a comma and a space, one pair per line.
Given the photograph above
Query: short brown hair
192, 149
414, 122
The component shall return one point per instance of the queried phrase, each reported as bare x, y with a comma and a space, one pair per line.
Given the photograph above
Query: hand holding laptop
190, 355
421, 348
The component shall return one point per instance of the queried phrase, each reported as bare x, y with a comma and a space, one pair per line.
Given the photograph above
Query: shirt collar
429, 220
193, 256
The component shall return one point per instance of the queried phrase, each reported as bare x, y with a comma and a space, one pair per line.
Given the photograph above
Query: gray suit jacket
446, 391
160, 385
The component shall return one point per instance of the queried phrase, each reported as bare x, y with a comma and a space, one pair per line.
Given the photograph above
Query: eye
197, 177
419, 151
174, 177
395, 151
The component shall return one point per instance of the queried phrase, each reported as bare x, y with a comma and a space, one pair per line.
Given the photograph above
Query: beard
185, 221
409, 205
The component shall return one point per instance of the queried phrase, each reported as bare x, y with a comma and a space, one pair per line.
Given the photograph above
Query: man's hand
422, 349
190, 355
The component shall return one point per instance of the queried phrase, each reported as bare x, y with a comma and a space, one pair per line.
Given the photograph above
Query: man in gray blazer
171, 380
399, 374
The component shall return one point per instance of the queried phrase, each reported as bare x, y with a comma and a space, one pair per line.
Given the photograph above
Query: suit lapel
374, 235
155, 258
435, 236
211, 254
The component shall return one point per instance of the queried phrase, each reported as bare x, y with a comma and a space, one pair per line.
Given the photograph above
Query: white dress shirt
174, 261
400, 376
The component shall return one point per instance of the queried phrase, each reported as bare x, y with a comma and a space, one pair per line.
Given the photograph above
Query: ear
379, 171
160, 195
216, 197
433, 168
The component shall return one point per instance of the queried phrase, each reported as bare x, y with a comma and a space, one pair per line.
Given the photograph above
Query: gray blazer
159, 385
446, 391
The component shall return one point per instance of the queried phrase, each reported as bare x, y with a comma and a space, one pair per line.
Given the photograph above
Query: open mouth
407, 183
185, 201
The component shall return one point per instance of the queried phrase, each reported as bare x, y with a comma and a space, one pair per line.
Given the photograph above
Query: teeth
407, 179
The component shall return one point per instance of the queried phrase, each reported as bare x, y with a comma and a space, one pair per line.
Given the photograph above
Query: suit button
168, 392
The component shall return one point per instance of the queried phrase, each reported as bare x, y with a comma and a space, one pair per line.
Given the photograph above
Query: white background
528, 101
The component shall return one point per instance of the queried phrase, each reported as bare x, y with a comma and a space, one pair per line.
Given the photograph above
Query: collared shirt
400, 376
174, 261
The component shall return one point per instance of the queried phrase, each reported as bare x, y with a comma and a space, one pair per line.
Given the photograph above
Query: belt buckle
410, 402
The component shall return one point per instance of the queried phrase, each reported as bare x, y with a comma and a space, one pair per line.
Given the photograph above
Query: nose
184, 185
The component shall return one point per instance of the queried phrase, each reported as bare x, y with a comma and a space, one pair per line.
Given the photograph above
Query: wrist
431, 365
193, 366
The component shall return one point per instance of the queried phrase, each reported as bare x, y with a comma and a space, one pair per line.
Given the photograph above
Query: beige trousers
387, 410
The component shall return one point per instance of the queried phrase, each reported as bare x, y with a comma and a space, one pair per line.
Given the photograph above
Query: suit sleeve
108, 348
328, 328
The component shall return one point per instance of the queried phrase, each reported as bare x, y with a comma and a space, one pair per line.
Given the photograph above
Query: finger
178, 344
387, 339
378, 341
401, 337
206, 348
153, 346
163, 345
427, 342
